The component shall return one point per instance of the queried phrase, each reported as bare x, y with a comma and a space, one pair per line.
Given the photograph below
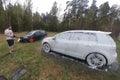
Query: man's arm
6, 34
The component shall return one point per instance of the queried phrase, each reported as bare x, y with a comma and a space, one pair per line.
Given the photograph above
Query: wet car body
97, 48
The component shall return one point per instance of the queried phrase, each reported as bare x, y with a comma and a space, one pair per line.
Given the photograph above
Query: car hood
48, 38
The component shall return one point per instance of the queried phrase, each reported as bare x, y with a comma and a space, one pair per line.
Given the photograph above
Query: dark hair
8, 25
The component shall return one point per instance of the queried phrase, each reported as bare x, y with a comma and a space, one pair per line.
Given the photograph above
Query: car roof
89, 31
36, 31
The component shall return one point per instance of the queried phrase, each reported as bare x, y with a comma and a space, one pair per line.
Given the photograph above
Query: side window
76, 36
89, 37
64, 36
92, 37
84, 37
81, 36
37, 33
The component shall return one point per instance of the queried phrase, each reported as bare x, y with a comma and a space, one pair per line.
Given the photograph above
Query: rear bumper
112, 58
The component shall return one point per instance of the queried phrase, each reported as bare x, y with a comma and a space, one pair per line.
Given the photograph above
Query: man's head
9, 27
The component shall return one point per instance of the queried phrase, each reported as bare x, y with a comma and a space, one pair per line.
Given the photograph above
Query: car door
61, 42
37, 35
81, 44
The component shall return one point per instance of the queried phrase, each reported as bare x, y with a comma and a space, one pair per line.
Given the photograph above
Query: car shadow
114, 69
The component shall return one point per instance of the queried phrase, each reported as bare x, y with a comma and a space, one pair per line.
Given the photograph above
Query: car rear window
109, 39
42, 31
105, 39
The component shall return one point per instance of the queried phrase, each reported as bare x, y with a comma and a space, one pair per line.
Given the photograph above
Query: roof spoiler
108, 33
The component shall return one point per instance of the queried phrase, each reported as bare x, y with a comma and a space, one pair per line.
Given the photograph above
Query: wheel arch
106, 58
46, 43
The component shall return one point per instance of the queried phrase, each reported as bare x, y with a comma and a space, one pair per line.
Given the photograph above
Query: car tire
46, 48
96, 60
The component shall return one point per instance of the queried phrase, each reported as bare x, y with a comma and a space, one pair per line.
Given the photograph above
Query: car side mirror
54, 38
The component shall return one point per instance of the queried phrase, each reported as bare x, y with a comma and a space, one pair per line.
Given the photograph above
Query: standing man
9, 37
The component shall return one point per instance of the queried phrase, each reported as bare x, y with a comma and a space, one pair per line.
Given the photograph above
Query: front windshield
29, 33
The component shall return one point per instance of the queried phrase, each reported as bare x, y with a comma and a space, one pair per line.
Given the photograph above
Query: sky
43, 6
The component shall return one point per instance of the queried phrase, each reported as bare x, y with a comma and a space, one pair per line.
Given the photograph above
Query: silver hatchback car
96, 47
